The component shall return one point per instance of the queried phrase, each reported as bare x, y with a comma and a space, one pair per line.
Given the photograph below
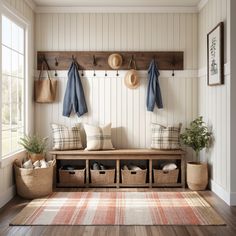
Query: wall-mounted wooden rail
61, 60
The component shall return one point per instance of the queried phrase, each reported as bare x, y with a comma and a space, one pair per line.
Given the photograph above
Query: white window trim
20, 20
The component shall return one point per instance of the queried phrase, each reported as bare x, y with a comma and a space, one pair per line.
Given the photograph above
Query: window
13, 77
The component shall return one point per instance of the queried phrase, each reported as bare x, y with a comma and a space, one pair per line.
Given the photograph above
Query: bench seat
119, 155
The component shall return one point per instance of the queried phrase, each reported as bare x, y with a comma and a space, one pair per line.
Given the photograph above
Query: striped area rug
119, 208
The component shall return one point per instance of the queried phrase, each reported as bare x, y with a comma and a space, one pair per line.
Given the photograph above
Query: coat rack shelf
60, 60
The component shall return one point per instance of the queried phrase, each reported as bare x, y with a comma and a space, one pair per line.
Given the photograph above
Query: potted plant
35, 146
197, 136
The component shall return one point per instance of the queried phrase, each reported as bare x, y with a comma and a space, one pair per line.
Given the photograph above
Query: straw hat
131, 79
115, 61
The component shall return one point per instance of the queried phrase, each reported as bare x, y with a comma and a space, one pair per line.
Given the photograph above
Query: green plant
197, 136
34, 144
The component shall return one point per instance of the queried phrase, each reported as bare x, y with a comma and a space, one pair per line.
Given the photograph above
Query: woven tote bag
45, 89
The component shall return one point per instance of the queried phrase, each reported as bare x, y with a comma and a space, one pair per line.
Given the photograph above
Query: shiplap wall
21, 8
214, 102
108, 99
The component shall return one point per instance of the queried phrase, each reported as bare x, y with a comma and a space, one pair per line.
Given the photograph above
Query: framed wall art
215, 55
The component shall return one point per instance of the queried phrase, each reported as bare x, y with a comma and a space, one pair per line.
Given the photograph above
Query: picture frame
215, 55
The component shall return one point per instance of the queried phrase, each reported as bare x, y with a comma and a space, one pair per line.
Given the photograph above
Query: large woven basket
34, 183
133, 177
76, 176
170, 177
103, 176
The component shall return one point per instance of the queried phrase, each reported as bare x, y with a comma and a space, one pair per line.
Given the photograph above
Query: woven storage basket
34, 183
72, 176
133, 176
103, 176
170, 177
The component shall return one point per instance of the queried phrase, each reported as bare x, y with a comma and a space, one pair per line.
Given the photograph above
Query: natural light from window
13, 76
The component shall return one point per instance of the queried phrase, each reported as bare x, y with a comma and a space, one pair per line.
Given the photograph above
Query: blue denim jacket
74, 95
154, 90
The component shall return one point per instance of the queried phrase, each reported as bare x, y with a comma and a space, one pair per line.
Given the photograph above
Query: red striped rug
119, 208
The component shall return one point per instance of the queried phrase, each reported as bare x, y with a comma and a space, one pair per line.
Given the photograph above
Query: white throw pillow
65, 138
98, 138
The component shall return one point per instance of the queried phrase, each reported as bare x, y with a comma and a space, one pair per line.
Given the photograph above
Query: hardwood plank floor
17, 204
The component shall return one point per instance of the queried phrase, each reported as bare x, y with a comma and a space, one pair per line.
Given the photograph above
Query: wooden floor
17, 204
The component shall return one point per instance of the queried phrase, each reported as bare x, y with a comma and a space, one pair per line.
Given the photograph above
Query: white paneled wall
214, 102
107, 98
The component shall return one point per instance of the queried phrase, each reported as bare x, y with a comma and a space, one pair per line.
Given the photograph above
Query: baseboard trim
7, 196
229, 198
233, 199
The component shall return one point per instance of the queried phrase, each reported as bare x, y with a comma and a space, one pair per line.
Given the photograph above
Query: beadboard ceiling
70, 3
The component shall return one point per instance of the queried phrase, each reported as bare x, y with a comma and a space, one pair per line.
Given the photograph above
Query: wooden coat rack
95, 60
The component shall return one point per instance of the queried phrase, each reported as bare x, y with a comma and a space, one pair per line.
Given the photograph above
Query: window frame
19, 20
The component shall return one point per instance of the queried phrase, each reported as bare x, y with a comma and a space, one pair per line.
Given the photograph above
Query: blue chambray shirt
74, 95
153, 90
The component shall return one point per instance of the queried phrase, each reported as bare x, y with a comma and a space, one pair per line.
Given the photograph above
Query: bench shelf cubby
118, 156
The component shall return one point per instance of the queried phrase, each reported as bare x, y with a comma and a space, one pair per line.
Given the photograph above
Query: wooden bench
125, 154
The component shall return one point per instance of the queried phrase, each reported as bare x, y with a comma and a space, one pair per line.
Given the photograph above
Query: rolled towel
50, 162
102, 167
96, 166
125, 167
43, 163
36, 164
28, 165
133, 167
169, 167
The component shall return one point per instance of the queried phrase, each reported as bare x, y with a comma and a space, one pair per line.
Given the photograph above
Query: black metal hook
105, 73
44, 61
173, 63
56, 62
117, 73
82, 73
73, 58
56, 65
132, 62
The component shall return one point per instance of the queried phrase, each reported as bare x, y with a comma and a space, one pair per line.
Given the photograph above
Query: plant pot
35, 156
197, 175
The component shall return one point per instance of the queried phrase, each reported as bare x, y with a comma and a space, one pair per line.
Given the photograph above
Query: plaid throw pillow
165, 137
98, 138
65, 138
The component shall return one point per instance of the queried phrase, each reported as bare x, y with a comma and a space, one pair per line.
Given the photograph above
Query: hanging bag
45, 89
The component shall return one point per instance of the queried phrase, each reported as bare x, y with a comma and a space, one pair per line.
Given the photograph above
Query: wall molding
112, 74
201, 4
6, 196
202, 72
116, 9
31, 4
16, 14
